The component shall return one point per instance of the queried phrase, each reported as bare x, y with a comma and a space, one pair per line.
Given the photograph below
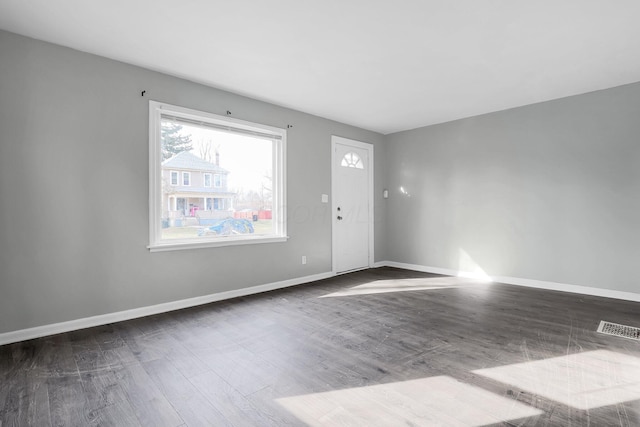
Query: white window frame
171, 178
204, 179
156, 111
217, 180
188, 175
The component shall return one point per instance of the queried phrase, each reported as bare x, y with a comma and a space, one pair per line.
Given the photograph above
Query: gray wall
74, 190
548, 192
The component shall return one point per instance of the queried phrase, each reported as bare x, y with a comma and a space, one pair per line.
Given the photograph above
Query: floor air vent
619, 330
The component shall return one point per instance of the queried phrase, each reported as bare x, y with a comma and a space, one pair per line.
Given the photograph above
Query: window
174, 177
226, 180
352, 160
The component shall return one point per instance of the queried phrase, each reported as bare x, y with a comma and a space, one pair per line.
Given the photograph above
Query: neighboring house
194, 187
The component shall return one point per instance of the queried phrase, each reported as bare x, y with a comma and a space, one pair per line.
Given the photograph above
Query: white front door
352, 204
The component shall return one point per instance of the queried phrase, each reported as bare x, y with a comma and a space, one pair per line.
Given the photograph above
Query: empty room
322, 213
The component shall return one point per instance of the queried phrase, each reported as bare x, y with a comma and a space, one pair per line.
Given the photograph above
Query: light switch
325, 198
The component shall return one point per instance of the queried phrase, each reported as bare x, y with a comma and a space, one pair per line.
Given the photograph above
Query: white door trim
365, 146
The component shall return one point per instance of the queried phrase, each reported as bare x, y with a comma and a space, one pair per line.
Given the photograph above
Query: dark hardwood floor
377, 347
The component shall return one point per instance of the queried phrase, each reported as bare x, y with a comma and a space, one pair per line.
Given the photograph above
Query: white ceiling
381, 65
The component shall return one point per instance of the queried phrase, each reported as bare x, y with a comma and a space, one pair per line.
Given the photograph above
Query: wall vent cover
619, 330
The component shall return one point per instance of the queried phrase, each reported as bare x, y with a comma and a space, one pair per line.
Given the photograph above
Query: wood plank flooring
378, 347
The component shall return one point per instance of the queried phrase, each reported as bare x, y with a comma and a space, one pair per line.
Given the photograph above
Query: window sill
177, 246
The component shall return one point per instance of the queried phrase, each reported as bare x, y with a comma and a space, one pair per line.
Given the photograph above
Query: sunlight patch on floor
403, 285
583, 380
438, 400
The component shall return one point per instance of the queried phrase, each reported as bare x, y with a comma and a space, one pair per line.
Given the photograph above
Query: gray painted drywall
549, 192
74, 190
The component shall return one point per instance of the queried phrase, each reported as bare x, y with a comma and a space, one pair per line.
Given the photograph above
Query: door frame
370, 197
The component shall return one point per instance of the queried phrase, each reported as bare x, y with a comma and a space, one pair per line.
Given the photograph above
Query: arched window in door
352, 160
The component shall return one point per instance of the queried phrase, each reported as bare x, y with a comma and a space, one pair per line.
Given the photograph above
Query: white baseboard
87, 322
529, 283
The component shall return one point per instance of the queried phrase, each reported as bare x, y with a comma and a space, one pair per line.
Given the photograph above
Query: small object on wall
385, 193
143, 92
325, 198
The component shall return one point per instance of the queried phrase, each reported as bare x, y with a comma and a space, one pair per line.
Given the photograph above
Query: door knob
339, 218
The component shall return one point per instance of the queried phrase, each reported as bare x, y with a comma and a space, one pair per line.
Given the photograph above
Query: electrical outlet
304, 259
